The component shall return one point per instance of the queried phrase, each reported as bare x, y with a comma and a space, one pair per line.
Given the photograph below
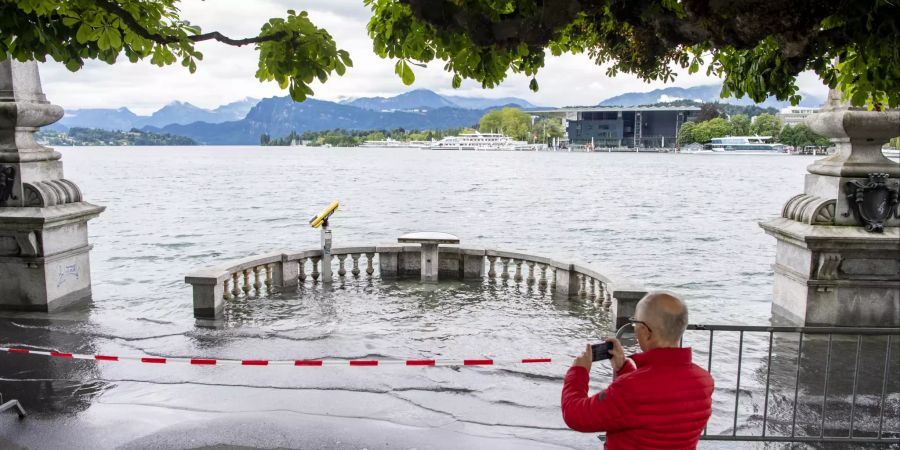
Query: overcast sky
226, 74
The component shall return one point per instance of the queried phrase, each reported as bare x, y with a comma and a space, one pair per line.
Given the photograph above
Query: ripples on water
686, 222
681, 222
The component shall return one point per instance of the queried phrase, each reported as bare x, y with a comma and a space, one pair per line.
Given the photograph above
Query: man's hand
618, 354
585, 359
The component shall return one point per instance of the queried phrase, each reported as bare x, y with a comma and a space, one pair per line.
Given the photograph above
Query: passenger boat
746, 145
482, 141
385, 143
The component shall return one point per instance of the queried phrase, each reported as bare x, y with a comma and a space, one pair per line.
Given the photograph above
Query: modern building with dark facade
617, 126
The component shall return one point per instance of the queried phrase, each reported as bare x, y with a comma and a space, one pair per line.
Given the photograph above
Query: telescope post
326, 253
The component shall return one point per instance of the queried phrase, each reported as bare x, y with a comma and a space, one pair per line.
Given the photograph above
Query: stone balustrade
265, 274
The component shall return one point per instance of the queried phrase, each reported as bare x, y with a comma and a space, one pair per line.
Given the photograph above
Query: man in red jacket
658, 398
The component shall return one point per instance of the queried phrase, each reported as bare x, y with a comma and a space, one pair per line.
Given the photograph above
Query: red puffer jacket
663, 402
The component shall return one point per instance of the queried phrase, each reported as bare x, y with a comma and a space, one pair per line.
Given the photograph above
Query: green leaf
85, 34
103, 41
114, 38
73, 65
345, 58
694, 68
406, 74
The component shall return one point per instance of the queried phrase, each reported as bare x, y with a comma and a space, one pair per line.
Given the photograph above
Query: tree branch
130, 22
535, 29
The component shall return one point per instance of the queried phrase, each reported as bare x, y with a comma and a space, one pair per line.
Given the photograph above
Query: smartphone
600, 351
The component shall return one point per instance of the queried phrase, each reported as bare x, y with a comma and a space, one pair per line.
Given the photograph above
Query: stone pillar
326, 253
208, 297
287, 273
389, 261
624, 303
472, 262
44, 246
429, 263
566, 281
837, 257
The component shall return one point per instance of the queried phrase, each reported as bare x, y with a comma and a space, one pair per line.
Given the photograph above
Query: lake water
687, 223
682, 222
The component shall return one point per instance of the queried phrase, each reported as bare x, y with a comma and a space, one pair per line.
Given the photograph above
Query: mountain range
242, 122
705, 94
425, 99
278, 116
123, 119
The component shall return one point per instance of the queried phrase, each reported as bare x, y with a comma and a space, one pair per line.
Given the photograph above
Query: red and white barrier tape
288, 362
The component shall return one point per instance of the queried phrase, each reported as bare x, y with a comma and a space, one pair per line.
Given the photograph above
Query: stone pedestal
429, 263
44, 248
838, 252
326, 254
429, 241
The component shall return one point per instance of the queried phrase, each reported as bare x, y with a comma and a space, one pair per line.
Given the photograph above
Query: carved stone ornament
873, 201
828, 266
7, 181
51, 192
810, 209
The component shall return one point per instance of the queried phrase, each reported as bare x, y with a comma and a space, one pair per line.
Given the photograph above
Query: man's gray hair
667, 312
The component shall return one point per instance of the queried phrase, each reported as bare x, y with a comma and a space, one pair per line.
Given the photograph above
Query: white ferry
393, 143
747, 145
385, 143
482, 141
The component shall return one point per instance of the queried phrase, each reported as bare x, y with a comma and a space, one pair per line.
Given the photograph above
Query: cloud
227, 74
668, 99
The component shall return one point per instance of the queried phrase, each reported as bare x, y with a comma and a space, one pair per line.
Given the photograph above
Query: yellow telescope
317, 221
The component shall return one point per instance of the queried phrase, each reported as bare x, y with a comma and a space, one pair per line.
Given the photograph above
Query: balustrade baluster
491, 273
269, 269
257, 284
315, 268
582, 289
607, 296
301, 274
247, 286
341, 270
370, 264
504, 268
355, 270
593, 294
518, 276
553, 279
542, 283
227, 289
235, 289
530, 279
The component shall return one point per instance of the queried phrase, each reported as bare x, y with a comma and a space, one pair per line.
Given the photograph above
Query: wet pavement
120, 404
678, 232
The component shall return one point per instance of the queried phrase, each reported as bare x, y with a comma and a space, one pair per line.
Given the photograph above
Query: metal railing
809, 360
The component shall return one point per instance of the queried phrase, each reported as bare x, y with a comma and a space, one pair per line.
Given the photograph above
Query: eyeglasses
633, 321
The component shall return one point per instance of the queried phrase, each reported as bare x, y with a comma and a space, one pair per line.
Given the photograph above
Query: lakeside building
618, 126
795, 115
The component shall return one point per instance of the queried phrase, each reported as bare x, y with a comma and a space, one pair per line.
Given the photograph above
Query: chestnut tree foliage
292, 50
758, 47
